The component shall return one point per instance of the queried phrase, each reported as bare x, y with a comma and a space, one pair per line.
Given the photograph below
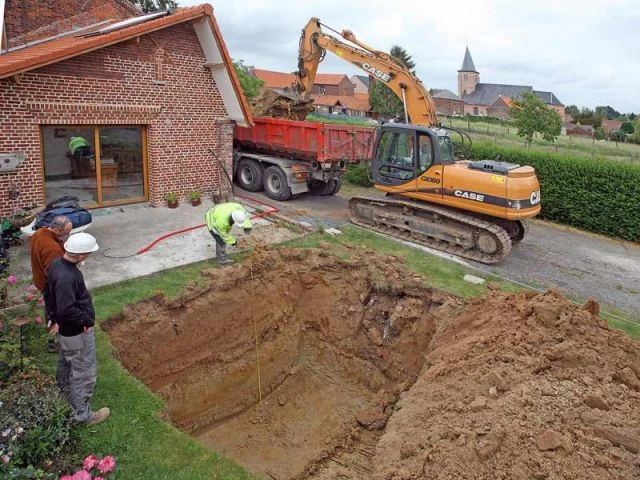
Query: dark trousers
221, 247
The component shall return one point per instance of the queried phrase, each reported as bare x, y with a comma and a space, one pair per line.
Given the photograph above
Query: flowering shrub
94, 468
35, 424
29, 306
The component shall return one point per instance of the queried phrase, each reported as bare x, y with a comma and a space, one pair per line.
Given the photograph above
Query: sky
587, 52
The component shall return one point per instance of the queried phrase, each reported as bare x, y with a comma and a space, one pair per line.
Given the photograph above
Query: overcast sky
585, 51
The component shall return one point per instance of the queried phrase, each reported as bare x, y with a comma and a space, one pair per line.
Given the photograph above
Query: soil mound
298, 364
520, 386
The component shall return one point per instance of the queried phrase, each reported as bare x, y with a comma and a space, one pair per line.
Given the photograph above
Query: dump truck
288, 157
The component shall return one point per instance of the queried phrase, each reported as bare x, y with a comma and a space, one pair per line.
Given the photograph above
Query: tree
572, 110
617, 135
607, 112
250, 84
149, 6
381, 97
627, 127
533, 116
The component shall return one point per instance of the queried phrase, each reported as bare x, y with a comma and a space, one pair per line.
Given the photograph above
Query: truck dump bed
322, 142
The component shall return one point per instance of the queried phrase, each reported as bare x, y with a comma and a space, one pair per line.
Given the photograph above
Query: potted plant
172, 200
194, 196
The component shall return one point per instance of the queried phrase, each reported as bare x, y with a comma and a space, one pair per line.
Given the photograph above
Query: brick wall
345, 87
29, 20
184, 113
447, 106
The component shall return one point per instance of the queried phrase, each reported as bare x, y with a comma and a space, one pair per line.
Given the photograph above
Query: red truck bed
310, 141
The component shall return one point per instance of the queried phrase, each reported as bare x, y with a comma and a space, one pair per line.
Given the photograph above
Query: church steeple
467, 63
468, 76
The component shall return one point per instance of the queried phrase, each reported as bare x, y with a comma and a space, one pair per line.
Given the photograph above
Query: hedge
598, 195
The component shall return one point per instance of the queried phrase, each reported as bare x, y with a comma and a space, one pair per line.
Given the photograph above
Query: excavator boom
418, 103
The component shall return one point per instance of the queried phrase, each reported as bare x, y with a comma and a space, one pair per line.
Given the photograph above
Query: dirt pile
280, 105
520, 386
298, 364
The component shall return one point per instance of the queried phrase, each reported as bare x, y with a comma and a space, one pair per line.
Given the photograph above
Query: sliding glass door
102, 166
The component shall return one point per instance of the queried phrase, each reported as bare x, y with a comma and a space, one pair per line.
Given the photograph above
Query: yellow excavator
472, 209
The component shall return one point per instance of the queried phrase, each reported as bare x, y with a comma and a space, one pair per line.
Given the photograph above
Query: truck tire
323, 188
275, 184
338, 186
250, 175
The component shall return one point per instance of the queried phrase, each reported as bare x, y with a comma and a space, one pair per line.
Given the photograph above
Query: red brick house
151, 96
447, 103
332, 84
501, 108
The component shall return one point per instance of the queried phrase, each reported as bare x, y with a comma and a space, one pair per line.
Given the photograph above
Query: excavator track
433, 226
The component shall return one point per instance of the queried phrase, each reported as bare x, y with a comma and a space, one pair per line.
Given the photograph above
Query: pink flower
98, 478
81, 475
66, 477
38, 320
89, 462
6, 458
29, 297
32, 288
11, 280
40, 301
107, 464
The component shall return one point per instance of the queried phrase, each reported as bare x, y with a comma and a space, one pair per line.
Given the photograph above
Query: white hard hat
238, 216
81, 243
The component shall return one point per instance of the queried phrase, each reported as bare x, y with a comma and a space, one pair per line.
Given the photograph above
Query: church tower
468, 76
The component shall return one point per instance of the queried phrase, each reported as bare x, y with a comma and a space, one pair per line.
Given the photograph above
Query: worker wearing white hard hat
220, 219
70, 307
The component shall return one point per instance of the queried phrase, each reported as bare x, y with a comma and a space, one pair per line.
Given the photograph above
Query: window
321, 89
395, 155
99, 165
426, 152
475, 110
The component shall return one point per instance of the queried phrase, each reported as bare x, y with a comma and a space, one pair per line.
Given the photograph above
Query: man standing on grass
46, 245
69, 306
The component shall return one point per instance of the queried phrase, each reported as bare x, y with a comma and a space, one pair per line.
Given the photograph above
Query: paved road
580, 264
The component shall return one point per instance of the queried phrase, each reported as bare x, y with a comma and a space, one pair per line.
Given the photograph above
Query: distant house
574, 130
501, 108
479, 97
152, 96
447, 102
332, 84
278, 81
611, 125
348, 105
360, 84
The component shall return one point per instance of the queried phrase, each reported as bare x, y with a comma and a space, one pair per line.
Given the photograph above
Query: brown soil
280, 105
365, 373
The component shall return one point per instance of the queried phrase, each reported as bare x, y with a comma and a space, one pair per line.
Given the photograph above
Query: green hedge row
598, 195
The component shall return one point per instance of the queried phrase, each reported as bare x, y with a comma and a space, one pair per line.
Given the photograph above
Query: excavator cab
403, 152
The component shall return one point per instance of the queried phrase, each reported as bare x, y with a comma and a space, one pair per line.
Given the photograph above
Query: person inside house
70, 307
79, 147
46, 245
220, 219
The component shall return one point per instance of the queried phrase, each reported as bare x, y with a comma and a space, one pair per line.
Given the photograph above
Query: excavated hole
338, 341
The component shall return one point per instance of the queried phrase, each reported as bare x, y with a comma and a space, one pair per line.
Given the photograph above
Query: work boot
225, 262
99, 416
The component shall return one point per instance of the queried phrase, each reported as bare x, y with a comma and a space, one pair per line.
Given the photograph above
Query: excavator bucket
280, 105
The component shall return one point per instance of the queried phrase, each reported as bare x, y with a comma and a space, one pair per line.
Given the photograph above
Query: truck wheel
338, 186
250, 175
323, 188
275, 184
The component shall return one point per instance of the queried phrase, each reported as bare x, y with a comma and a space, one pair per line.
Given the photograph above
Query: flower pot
172, 204
196, 202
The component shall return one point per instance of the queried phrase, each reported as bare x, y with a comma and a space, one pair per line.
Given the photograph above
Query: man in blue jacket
220, 219
70, 308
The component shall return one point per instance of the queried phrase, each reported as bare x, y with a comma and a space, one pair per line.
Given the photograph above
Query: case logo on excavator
470, 195
385, 77
535, 197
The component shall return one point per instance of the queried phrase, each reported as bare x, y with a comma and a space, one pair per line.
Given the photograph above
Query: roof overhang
207, 31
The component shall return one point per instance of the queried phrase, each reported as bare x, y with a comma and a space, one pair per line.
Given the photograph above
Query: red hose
187, 229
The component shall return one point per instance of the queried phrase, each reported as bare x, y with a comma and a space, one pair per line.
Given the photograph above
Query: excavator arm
419, 106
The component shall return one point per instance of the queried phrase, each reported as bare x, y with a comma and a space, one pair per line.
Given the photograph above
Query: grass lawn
147, 447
